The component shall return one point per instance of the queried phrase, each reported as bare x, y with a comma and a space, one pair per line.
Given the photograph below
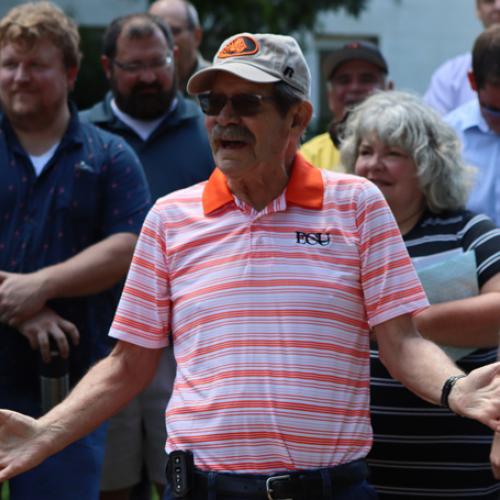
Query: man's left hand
21, 296
477, 395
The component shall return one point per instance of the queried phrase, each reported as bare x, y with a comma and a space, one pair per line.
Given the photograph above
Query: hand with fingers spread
21, 296
24, 443
477, 395
45, 324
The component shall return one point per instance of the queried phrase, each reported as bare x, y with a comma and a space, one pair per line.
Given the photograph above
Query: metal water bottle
54, 378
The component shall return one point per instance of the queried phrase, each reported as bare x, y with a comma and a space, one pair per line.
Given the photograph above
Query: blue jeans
72, 474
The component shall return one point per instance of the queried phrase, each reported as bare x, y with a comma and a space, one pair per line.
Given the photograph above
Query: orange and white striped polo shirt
270, 314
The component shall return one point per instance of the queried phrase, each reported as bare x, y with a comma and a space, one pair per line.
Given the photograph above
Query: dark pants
206, 486
362, 491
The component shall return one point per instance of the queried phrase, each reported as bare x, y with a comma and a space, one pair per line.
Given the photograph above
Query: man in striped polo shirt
268, 279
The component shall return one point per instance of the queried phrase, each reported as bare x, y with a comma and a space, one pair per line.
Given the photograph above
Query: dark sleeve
126, 192
481, 235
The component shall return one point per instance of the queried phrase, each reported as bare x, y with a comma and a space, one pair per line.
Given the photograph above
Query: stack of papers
449, 276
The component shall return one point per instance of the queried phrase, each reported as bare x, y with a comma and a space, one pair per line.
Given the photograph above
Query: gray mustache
232, 133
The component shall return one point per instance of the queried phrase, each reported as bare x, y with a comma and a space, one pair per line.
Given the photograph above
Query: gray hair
400, 119
285, 96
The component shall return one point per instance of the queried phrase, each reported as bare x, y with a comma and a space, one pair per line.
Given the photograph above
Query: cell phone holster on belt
180, 468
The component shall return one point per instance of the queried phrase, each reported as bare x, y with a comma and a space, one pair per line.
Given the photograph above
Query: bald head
179, 10
183, 20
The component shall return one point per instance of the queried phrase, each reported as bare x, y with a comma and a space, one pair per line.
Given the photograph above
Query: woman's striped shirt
421, 450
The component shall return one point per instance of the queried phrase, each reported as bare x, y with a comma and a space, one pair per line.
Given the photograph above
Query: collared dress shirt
449, 87
481, 149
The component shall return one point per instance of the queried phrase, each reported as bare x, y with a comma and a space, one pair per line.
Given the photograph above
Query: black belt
289, 485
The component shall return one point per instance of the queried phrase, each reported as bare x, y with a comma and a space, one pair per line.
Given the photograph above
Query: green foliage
222, 18
273, 16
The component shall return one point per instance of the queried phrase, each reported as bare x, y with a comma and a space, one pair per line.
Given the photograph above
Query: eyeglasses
177, 30
490, 110
243, 104
137, 67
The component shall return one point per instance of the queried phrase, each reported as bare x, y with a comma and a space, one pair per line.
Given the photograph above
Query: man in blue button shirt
72, 200
477, 123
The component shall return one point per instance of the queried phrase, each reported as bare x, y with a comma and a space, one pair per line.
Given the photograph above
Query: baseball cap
362, 50
260, 58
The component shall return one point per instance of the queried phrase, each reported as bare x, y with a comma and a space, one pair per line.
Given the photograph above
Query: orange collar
305, 188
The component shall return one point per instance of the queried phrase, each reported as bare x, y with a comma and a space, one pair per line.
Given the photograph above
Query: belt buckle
269, 489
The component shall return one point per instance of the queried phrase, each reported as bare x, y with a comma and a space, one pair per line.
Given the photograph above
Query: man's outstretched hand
477, 396
24, 443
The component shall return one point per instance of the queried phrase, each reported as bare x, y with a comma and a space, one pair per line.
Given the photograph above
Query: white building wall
90, 12
415, 36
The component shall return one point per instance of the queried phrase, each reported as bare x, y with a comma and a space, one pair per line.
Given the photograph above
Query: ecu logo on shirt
240, 46
322, 239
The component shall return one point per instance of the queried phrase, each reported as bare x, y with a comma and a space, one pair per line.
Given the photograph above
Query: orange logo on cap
240, 46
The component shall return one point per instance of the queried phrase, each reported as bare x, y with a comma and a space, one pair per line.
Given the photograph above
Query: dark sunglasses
243, 104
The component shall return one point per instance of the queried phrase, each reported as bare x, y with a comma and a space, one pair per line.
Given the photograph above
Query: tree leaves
223, 18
